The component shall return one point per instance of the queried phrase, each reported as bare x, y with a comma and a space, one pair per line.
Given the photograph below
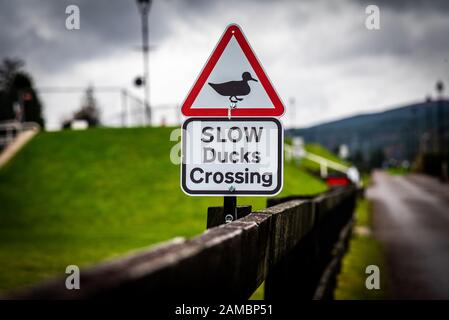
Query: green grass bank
79, 197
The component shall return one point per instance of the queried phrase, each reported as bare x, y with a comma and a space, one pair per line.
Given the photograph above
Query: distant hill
395, 133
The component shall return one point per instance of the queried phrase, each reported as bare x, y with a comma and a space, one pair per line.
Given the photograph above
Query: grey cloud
408, 5
35, 30
106, 26
401, 35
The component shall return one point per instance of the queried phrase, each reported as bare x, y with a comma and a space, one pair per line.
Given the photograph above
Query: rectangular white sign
237, 156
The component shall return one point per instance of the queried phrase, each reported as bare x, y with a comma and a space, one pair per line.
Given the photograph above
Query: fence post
295, 275
299, 273
216, 215
295, 246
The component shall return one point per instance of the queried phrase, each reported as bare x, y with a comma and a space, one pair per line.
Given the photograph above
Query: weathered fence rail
294, 245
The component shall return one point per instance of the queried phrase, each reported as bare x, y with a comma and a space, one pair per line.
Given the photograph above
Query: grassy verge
364, 250
398, 171
366, 179
259, 293
322, 152
78, 197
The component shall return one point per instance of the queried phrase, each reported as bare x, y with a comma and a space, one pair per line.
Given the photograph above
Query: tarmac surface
411, 219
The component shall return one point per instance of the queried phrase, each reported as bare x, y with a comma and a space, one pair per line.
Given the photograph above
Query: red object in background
340, 181
27, 96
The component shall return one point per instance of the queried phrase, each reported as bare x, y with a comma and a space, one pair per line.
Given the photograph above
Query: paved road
411, 219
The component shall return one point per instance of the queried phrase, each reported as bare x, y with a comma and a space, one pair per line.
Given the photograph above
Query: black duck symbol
233, 89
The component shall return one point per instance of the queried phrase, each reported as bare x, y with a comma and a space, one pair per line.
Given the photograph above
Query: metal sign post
233, 148
230, 209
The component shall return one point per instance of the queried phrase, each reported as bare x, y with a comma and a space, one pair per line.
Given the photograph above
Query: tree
89, 110
16, 87
377, 158
6, 107
8, 70
357, 159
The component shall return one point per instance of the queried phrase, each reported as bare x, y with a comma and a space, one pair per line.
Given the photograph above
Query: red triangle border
232, 30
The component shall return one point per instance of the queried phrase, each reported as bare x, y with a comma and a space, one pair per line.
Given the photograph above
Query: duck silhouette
233, 89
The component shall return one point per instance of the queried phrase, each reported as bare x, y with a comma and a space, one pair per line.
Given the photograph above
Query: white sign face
237, 156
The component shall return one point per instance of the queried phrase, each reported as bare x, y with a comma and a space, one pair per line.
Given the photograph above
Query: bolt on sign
234, 145
239, 156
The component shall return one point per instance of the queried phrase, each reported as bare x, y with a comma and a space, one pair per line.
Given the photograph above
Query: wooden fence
295, 246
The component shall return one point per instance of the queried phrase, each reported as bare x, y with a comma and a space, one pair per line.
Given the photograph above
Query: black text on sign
238, 156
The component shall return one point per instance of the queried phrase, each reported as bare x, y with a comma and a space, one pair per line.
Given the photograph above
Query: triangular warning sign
232, 83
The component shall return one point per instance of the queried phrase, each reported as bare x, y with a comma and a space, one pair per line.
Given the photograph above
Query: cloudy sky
318, 54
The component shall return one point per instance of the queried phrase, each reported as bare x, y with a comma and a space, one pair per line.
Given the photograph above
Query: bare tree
89, 110
9, 68
16, 89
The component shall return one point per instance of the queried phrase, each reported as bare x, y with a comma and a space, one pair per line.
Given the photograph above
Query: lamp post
144, 10
440, 115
